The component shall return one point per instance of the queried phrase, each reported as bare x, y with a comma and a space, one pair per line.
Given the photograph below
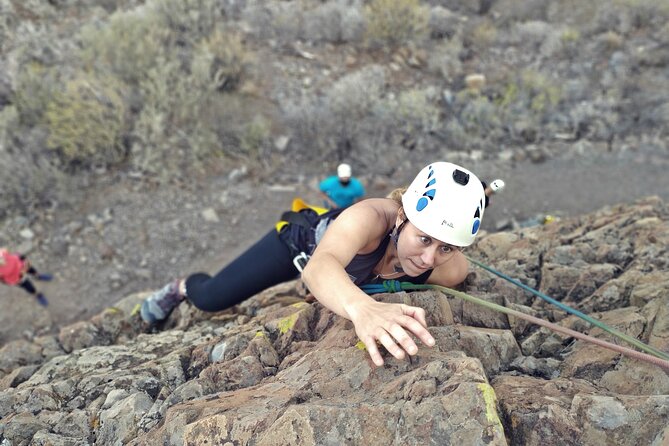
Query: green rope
647, 348
567, 331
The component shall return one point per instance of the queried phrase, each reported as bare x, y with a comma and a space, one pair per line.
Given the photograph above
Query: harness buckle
300, 261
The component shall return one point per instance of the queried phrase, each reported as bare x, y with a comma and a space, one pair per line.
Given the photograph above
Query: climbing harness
303, 222
300, 260
391, 286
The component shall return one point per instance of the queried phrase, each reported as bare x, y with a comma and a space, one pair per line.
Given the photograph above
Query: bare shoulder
363, 224
373, 213
451, 273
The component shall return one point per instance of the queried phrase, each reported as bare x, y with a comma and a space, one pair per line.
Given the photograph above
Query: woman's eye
425, 240
446, 249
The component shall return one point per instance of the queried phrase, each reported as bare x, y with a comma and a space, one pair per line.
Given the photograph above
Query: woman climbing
415, 235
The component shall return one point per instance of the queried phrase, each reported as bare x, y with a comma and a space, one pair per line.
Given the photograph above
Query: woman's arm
359, 229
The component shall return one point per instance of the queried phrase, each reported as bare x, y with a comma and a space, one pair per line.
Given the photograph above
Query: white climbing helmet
446, 202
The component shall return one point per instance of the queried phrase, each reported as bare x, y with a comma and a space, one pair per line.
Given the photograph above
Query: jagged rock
279, 370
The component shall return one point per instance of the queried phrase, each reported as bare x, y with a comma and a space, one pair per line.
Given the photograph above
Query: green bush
531, 89
85, 122
34, 90
570, 35
255, 137
396, 22
9, 119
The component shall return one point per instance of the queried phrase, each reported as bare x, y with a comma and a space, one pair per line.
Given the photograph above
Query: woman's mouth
418, 267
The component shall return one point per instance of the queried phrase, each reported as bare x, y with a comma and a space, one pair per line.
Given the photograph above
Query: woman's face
418, 252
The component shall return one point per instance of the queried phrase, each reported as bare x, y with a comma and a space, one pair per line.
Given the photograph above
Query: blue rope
394, 286
387, 286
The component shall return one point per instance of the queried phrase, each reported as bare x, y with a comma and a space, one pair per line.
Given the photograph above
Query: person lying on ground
15, 269
415, 235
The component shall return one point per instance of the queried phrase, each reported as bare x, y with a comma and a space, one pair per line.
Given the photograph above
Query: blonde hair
396, 194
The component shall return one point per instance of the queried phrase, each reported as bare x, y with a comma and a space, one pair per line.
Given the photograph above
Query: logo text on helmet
447, 223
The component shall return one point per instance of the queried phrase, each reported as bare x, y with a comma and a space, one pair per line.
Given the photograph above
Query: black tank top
305, 235
361, 268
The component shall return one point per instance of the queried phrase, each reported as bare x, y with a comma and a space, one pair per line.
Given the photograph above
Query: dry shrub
479, 116
337, 122
510, 12
443, 59
337, 21
442, 23
129, 45
189, 114
29, 179
163, 123
481, 36
222, 61
611, 41
275, 20
411, 114
396, 22
132, 42
645, 13
85, 121
187, 22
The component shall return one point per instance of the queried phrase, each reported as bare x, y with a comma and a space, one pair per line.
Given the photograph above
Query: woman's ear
401, 217
399, 223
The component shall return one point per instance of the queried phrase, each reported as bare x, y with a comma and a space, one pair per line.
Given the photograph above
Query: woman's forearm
328, 282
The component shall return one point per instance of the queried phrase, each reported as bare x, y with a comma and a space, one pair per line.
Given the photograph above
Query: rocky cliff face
278, 370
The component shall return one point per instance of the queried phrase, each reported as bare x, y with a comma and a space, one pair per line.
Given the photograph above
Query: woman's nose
427, 257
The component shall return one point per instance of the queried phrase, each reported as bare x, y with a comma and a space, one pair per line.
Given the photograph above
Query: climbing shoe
44, 277
160, 304
42, 300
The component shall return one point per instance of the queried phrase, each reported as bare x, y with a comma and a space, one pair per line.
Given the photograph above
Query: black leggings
263, 265
27, 285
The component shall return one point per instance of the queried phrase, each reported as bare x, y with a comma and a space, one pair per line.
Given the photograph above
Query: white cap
446, 202
344, 171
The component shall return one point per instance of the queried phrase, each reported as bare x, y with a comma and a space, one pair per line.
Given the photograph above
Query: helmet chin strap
395, 235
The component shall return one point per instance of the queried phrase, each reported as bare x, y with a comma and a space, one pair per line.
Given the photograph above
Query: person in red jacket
14, 270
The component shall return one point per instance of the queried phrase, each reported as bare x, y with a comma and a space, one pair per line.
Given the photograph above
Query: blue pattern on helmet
423, 201
477, 220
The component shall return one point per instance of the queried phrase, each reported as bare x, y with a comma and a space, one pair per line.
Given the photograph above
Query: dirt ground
150, 237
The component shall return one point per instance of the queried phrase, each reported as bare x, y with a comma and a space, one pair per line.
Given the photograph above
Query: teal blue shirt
342, 195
